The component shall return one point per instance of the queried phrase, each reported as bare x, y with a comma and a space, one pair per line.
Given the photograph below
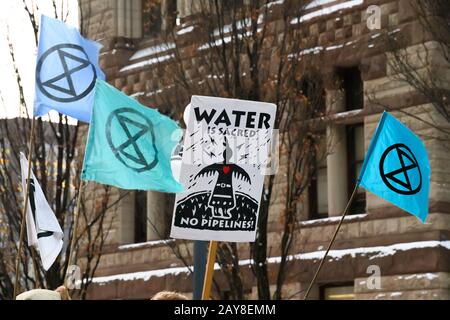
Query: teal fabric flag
129, 145
66, 70
396, 167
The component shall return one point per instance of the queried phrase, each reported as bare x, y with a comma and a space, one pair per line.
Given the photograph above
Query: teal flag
129, 145
396, 167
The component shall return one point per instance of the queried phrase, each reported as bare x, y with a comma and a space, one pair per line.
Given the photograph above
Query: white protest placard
225, 154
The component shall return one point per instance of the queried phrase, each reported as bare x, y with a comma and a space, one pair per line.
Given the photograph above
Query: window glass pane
358, 167
322, 152
352, 85
322, 191
140, 216
339, 293
359, 143
318, 193
356, 155
151, 17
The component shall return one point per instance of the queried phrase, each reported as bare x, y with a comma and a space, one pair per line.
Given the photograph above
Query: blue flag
396, 167
66, 70
129, 145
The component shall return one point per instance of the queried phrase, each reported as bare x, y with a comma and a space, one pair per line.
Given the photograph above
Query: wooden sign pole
209, 270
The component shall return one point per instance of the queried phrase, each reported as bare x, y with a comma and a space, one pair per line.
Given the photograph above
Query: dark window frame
140, 217
353, 86
163, 18
359, 202
311, 86
313, 200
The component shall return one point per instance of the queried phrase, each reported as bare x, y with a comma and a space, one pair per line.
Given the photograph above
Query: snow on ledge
143, 275
137, 94
374, 252
396, 294
150, 51
327, 10
185, 30
332, 219
429, 276
273, 3
317, 3
345, 114
144, 244
148, 62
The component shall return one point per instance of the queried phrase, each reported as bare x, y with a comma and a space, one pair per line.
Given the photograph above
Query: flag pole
209, 270
25, 208
76, 216
347, 207
75, 228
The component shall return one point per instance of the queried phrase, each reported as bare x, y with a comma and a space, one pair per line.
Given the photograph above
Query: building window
312, 89
352, 84
337, 292
318, 191
151, 17
355, 156
170, 13
140, 217
158, 16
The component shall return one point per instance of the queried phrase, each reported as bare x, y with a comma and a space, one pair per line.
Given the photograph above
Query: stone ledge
358, 232
404, 282
433, 294
342, 265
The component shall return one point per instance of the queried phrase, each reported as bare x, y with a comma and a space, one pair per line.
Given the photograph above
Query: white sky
14, 18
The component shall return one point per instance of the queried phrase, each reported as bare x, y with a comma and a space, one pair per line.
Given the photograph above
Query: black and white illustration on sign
72, 67
226, 146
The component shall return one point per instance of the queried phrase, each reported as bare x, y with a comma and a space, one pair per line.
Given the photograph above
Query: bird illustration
222, 199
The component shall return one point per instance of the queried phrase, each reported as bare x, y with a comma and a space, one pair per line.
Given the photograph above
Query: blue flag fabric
396, 167
129, 145
66, 70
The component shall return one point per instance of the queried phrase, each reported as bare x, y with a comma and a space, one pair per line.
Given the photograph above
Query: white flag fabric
43, 230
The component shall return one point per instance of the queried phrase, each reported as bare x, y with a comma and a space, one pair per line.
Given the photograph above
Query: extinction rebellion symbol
400, 170
72, 64
132, 133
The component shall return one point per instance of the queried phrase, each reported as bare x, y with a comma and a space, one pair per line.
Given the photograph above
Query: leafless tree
423, 69
251, 50
57, 156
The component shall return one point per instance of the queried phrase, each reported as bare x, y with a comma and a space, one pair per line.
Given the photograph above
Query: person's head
63, 292
169, 295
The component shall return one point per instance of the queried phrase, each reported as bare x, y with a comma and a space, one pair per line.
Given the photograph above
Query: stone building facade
413, 258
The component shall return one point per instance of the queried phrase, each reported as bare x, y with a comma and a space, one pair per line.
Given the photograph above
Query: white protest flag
43, 230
